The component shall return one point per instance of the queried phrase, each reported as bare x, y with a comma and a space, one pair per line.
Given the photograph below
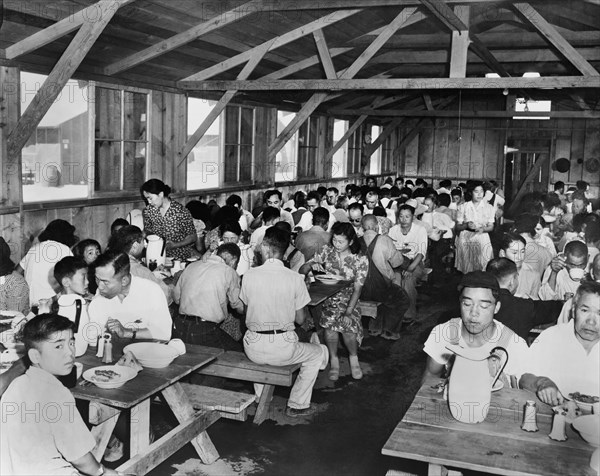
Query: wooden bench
236, 365
230, 404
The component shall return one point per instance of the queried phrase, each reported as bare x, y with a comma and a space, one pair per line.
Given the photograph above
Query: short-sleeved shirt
176, 225
38, 264
139, 270
312, 241
445, 334
415, 240
144, 307
558, 355
14, 293
273, 294
42, 430
481, 214
564, 287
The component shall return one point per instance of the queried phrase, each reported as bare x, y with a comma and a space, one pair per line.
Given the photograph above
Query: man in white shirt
273, 198
126, 305
331, 199
440, 231
355, 216
563, 276
565, 358
270, 216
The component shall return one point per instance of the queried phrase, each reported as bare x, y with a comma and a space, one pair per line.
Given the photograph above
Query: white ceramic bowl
125, 374
584, 406
152, 354
588, 426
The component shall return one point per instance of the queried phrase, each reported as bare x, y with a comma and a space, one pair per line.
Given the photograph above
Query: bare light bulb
505, 92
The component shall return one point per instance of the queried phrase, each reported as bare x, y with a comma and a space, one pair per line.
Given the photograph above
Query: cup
178, 345
79, 367
176, 266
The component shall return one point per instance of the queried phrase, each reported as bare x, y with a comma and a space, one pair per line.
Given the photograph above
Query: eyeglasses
355, 220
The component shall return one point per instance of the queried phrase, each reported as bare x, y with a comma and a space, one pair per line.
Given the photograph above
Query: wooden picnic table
319, 292
429, 433
135, 395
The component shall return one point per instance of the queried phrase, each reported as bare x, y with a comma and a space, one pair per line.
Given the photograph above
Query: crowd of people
247, 278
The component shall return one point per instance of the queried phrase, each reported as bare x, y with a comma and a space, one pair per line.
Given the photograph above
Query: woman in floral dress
475, 220
168, 219
340, 313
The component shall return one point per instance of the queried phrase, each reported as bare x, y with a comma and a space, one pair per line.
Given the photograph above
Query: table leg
262, 411
439, 470
139, 438
183, 410
102, 434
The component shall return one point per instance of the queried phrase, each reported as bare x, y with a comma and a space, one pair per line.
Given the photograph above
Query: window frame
238, 145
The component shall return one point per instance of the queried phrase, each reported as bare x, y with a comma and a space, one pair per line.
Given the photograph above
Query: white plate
152, 354
6, 317
125, 374
328, 278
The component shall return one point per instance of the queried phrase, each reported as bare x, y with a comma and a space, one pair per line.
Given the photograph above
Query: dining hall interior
107, 104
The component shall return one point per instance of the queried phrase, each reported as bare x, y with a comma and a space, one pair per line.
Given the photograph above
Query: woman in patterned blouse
14, 291
168, 219
341, 314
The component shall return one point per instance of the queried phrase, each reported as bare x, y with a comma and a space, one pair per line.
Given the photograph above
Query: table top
148, 381
429, 433
320, 291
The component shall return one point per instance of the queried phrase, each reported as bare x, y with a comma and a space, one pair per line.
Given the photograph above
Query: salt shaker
100, 352
530, 417
558, 432
107, 359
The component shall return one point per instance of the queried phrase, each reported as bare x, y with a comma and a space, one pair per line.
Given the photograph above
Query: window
239, 144
121, 139
308, 135
204, 159
527, 105
355, 145
339, 159
286, 160
56, 156
375, 159
387, 155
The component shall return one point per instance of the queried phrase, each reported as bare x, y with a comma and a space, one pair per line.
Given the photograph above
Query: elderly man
312, 241
410, 238
520, 314
381, 283
565, 358
204, 291
563, 276
355, 216
276, 297
331, 197
475, 328
371, 201
128, 306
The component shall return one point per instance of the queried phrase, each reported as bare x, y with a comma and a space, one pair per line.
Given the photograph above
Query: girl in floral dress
340, 313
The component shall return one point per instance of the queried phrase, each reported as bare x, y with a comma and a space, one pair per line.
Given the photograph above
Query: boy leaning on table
42, 431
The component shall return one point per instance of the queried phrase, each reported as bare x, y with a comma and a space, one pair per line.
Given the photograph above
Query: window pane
314, 131
56, 156
247, 132
375, 159
231, 163
203, 161
232, 118
134, 165
108, 166
108, 114
286, 167
338, 165
245, 163
135, 115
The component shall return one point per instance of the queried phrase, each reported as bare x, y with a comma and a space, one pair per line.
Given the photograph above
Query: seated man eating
565, 358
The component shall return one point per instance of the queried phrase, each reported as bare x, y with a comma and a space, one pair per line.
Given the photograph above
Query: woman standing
340, 313
168, 219
475, 220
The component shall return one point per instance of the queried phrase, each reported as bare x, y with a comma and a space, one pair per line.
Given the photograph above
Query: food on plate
105, 375
582, 398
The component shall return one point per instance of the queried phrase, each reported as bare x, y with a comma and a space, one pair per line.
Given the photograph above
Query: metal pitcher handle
503, 361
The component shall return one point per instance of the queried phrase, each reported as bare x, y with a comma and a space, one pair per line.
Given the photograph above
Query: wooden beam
324, 54
381, 138
60, 74
220, 106
279, 41
355, 125
555, 38
463, 113
427, 100
460, 45
305, 63
399, 83
583, 105
533, 171
59, 29
219, 21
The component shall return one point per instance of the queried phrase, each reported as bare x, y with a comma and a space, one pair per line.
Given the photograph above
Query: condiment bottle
530, 417
558, 432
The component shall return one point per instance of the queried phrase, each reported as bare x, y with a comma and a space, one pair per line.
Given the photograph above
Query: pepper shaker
107, 359
530, 417
558, 432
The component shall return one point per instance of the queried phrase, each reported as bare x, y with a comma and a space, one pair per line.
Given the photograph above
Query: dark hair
559, 184
341, 202
420, 181
580, 195
456, 192
269, 193
226, 214
444, 199
6, 264
419, 192
586, 287
399, 178
313, 196
395, 192
445, 183
300, 199
334, 190
61, 231
582, 185
408, 182
322, 190
42, 327
405, 191
526, 223
234, 200
199, 211
471, 186
231, 227
356, 206
270, 213
124, 239
578, 221
155, 186
506, 239
434, 198
405, 207
576, 248
501, 268
277, 240
229, 248
79, 248
67, 267
592, 232
379, 212
347, 230
118, 223
117, 259
551, 200
284, 225
320, 217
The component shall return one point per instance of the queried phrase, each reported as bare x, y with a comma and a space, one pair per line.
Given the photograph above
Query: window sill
98, 199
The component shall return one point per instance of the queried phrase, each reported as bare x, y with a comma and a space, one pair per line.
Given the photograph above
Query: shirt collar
41, 375
273, 262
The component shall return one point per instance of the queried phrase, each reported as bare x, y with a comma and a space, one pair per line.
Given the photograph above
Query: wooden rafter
555, 38
353, 127
219, 21
305, 63
460, 45
463, 113
58, 30
427, 101
397, 83
381, 138
279, 41
324, 54
317, 98
60, 74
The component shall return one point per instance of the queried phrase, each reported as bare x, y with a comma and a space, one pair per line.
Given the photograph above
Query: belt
197, 318
272, 331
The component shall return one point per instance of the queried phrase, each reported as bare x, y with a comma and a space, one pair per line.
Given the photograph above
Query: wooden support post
60, 74
324, 54
387, 131
139, 436
533, 171
460, 45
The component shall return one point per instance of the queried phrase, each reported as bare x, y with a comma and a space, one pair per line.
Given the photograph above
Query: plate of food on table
109, 376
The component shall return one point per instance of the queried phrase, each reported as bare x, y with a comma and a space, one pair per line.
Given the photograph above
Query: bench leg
262, 411
102, 433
